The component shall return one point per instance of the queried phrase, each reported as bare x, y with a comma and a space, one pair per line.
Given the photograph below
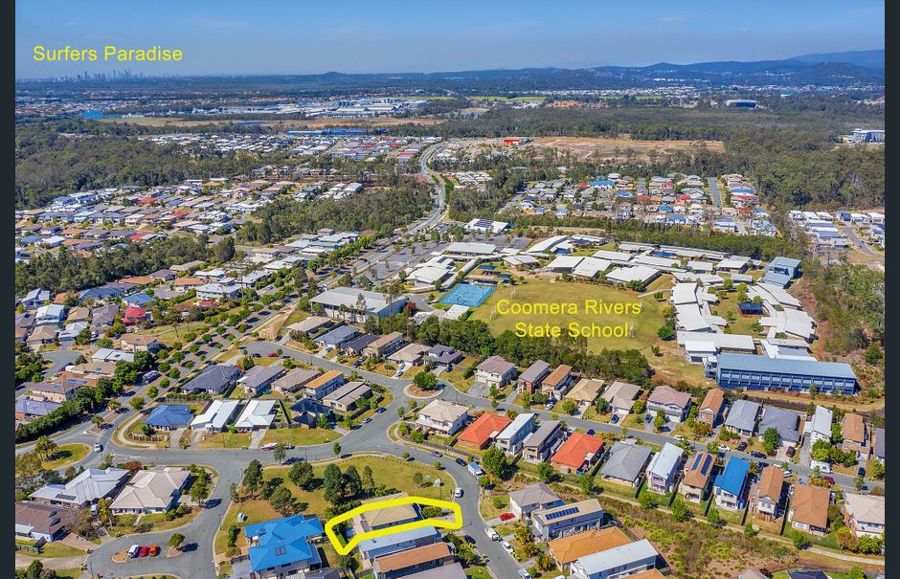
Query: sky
300, 37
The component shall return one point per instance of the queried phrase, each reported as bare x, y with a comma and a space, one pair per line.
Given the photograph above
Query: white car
458, 492
98, 447
508, 547
492, 534
679, 438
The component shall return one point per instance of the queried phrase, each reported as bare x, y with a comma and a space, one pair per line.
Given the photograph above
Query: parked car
98, 447
829, 480
357, 364
614, 419
133, 551
590, 432
524, 574
647, 418
791, 451
460, 461
757, 454
457, 492
723, 448
367, 420
144, 551
435, 454
742, 446
272, 355
381, 409
507, 516
154, 550
492, 534
507, 547
861, 471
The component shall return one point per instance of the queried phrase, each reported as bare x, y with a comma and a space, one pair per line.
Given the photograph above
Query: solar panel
560, 514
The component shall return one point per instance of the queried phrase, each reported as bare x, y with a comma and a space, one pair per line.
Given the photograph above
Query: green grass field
67, 454
537, 290
300, 436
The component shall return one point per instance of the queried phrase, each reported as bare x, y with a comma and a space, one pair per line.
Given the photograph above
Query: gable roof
572, 547
668, 396
664, 462
535, 494
215, 378
810, 505
485, 426
698, 470
713, 401
742, 415
151, 489
89, 486
865, 508
770, 483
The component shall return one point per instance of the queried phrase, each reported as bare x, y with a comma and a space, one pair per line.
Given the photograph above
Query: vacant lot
584, 147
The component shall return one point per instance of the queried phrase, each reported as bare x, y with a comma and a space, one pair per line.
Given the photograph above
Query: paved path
714, 192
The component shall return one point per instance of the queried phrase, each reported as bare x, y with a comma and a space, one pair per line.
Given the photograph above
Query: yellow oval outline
454, 525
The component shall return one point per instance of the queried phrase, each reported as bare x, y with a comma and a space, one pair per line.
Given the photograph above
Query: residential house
820, 425
697, 476
216, 416
711, 408
294, 380
765, 495
215, 379
169, 416
855, 435
621, 396
410, 355
878, 446
662, 472
566, 550
371, 549
30, 408
57, 391
41, 335
52, 314
532, 498
543, 442
482, 431
786, 422
404, 563
443, 417
530, 380
443, 357
730, 488
585, 391
578, 453
742, 417
495, 371
386, 344
809, 509
283, 547
311, 325
345, 303
259, 378
567, 519
626, 463
672, 403
511, 438
85, 489
347, 397
134, 315
38, 521
139, 343
151, 491
257, 415
324, 384
864, 514
621, 561
558, 382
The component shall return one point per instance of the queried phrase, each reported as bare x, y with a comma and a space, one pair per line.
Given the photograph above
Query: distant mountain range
831, 69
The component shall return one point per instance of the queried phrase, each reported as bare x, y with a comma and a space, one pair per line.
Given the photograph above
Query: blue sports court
468, 294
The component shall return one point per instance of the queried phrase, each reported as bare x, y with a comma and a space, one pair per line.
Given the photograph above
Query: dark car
381, 409
435, 454
861, 471
757, 454
357, 364
590, 432
272, 355
742, 446
614, 419
791, 451
829, 480
460, 461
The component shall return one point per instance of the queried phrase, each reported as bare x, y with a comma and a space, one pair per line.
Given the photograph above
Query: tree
252, 475
224, 250
332, 481
546, 472
680, 511
301, 474
368, 480
113, 404
876, 469
659, 421
749, 531
283, 501
279, 452
800, 540
45, 447
771, 440
336, 447
495, 463
586, 483
713, 516
352, 482
569, 406
176, 540
426, 380
645, 500
137, 402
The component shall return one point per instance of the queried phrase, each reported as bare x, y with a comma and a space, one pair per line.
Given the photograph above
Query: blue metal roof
338, 335
776, 278
170, 416
788, 262
283, 541
753, 363
734, 476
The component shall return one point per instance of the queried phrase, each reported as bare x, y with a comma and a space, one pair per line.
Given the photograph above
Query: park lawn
75, 573
487, 508
300, 436
67, 454
226, 440
477, 572
540, 290
159, 522
52, 550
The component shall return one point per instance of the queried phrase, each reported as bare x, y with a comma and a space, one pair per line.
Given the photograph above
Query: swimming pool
468, 294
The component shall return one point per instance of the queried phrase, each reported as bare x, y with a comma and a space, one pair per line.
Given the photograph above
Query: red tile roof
478, 433
575, 449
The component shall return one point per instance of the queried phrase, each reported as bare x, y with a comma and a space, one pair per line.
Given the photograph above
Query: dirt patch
120, 556
616, 148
